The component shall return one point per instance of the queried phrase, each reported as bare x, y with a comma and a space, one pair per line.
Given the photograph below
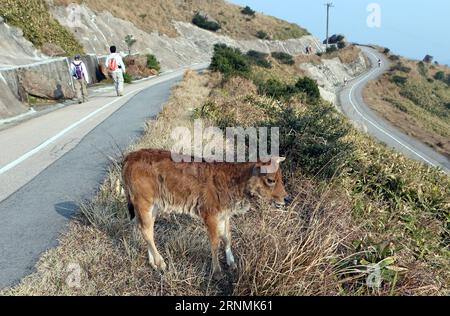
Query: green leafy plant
259, 59
127, 78
284, 58
130, 41
202, 22
152, 62
262, 35
248, 11
229, 61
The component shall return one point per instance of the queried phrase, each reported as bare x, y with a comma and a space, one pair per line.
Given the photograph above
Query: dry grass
414, 118
306, 249
158, 15
293, 251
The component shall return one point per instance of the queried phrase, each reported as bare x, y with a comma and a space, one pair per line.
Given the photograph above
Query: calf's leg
225, 234
147, 214
211, 222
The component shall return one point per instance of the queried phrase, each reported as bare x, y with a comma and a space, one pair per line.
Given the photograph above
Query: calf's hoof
217, 275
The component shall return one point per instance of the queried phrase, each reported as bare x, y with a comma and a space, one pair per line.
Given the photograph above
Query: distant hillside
415, 97
158, 15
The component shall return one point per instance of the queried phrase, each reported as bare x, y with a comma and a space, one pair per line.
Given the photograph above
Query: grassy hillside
415, 97
357, 207
38, 26
157, 15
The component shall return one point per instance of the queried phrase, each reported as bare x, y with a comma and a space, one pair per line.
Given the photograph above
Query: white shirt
118, 58
83, 68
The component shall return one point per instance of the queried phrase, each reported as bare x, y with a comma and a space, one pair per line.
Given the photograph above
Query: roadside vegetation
158, 15
38, 26
415, 97
364, 219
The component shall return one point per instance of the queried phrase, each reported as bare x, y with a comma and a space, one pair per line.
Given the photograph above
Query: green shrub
309, 87
341, 44
386, 51
331, 49
262, 35
152, 62
284, 58
229, 61
422, 68
274, 88
277, 89
203, 23
394, 57
440, 75
248, 11
401, 68
314, 140
399, 80
259, 59
127, 78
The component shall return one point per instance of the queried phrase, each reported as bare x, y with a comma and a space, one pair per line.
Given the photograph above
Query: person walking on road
81, 78
379, 63
116, 69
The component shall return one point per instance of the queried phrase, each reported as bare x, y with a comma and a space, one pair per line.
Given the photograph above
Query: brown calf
154, 183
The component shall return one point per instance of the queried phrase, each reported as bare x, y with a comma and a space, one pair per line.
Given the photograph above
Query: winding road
354, 107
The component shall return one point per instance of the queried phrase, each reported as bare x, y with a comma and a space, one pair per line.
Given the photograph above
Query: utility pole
329, 5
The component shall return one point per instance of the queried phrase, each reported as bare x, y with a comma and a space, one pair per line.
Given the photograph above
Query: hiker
81, 78
379, 62
116, 69
345, 81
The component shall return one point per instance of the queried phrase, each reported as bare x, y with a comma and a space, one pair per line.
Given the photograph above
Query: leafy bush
422, 68
130, 41
331, 49
274, 88
309, 87
248, 11
152, 62
229, 61
284, 58
386, 51
127, 78
399, 80
394, 57
341, 44
314, 140
440, 75
277, 89
203, 23
262, 35
401, 68
259, 59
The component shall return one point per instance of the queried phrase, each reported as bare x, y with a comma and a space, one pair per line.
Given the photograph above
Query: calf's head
266, 182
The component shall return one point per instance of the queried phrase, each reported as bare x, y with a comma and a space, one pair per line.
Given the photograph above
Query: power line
329, 5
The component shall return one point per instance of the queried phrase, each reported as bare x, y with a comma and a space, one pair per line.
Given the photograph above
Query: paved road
55, 161
353, 106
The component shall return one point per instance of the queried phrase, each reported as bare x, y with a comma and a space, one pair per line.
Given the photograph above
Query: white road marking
62, 133
376, 125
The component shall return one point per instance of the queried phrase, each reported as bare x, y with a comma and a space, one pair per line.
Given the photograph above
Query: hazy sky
411, 28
